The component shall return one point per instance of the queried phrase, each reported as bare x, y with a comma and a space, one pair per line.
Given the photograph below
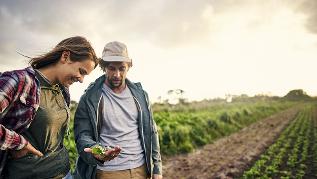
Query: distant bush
225, 117
246, 112
297, 94
212, 123
236, 115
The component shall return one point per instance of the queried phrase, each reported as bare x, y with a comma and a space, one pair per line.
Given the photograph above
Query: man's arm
84, 132
156, 154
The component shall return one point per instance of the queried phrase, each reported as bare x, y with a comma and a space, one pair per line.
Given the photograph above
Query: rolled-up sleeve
9, 139
8, 86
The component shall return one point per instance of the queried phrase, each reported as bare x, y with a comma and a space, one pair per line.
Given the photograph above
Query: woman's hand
25, 150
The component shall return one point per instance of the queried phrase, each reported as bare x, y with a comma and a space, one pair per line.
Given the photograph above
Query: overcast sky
208, 48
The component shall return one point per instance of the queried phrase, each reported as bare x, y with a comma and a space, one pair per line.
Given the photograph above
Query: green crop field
294, 154
183, 128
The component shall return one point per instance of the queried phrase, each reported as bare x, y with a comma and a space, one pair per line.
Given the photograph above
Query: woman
34, 110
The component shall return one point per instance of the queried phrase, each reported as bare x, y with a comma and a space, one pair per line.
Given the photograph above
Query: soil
228, 157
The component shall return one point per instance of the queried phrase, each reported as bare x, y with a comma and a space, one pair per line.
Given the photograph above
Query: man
116, 112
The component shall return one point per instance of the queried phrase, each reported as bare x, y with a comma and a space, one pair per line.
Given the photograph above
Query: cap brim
116, 59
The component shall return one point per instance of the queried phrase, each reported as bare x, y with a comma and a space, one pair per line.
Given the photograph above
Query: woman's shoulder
29, 71
24, 76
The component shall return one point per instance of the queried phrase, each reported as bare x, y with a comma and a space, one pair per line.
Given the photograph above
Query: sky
207, 48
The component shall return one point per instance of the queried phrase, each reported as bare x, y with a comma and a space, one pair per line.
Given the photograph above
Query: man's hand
25, 150
156, 176
109, 154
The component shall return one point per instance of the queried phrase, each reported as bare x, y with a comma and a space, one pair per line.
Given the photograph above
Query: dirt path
229, 156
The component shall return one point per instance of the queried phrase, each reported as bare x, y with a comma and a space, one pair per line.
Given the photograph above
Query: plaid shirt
19, 100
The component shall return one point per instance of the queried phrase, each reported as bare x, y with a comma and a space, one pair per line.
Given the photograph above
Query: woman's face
74, 71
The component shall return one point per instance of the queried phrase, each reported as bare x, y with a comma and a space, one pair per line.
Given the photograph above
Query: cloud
309, 7
168, 23
163, 23
220, 35
30, 26
35, 27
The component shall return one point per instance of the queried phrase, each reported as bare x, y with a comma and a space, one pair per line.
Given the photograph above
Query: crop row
288, 156
182, 132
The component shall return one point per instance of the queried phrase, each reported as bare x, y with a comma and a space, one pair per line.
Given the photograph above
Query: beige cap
115, 52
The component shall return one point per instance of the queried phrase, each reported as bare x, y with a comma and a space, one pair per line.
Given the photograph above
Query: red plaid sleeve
11, 140
8, 86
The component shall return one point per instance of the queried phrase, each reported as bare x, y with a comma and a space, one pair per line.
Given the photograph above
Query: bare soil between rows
228, 157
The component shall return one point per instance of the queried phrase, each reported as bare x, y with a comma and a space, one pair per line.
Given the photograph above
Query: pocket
50, 165
27, 157
21, 167
53, 164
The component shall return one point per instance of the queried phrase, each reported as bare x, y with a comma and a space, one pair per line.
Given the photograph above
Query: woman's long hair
79, 48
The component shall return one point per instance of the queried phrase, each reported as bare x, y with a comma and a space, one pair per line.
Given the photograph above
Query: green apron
46, 134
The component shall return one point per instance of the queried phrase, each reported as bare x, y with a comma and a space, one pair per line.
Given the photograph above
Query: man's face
116, 74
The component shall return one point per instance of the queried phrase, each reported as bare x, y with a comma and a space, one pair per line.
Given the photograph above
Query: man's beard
114, 85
